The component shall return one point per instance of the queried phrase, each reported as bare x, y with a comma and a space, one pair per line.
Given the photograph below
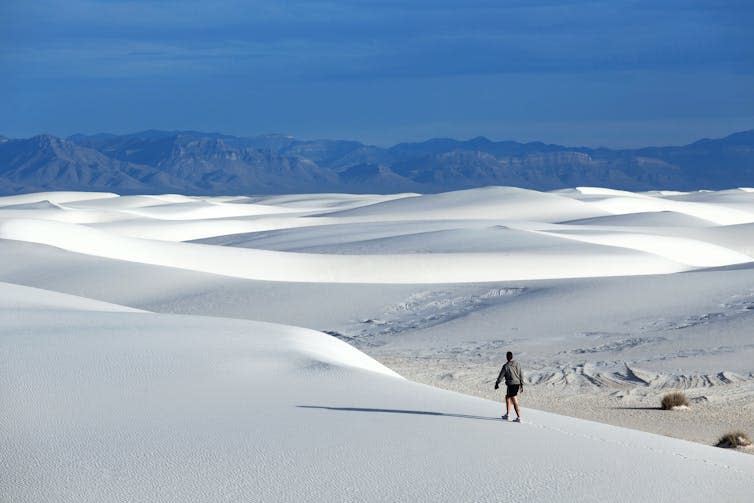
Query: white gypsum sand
121, 406
610, 299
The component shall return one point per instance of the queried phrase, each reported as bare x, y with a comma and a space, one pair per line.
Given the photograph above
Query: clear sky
613, 73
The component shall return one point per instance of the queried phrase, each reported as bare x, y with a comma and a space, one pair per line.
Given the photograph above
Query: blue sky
617, 73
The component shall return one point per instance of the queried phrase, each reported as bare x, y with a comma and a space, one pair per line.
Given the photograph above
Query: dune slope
137, 406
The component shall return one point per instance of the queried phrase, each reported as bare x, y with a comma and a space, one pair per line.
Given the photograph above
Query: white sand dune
55, 197
326, 202
602, 192
434, 236
38, 205
741, 195
129, 202
191, 230
108, 403
199, 210
310, 267
646, 219
718, 212
681, 250
500, 203
23, 298
144, 407
62, 214
735, 237
466, 236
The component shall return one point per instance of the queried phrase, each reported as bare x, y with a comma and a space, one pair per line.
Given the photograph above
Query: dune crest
392, 247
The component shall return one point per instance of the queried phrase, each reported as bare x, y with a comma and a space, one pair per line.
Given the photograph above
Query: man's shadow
400, 411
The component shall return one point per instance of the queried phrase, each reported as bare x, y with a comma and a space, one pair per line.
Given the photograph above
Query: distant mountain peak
743, 137
194, 162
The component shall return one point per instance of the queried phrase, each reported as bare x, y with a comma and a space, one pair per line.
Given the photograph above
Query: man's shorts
512, 390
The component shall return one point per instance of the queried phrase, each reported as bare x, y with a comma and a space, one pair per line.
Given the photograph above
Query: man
514, 380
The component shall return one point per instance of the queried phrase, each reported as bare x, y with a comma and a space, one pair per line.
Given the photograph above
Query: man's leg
515, 406
507, 405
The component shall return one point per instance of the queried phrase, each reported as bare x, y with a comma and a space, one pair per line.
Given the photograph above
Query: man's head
509, 355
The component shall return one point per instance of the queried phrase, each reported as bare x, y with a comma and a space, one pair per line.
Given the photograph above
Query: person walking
514, 381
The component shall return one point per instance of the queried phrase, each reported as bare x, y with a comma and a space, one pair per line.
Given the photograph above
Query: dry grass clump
734, 439
673, 400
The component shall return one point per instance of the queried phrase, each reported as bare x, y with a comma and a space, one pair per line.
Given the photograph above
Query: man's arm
500, 377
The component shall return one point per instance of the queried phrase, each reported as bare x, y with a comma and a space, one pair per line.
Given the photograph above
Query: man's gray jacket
512, 373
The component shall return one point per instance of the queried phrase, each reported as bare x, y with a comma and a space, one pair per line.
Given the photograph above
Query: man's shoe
517, 420
505, 417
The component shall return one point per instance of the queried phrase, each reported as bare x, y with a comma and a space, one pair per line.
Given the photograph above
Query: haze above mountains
190, 162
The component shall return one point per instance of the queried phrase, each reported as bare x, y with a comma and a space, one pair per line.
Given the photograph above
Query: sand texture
242, 348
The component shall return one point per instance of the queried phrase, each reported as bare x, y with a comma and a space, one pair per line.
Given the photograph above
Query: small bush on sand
673, 400
734, 439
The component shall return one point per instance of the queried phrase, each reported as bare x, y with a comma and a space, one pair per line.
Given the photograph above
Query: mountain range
191, 162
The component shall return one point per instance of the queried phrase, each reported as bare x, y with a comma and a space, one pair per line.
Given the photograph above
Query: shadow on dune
400, 411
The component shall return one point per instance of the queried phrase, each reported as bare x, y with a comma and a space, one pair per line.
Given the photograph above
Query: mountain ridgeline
190, 162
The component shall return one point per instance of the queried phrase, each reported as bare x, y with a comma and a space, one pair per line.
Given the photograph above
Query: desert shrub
674, 399
734, 439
